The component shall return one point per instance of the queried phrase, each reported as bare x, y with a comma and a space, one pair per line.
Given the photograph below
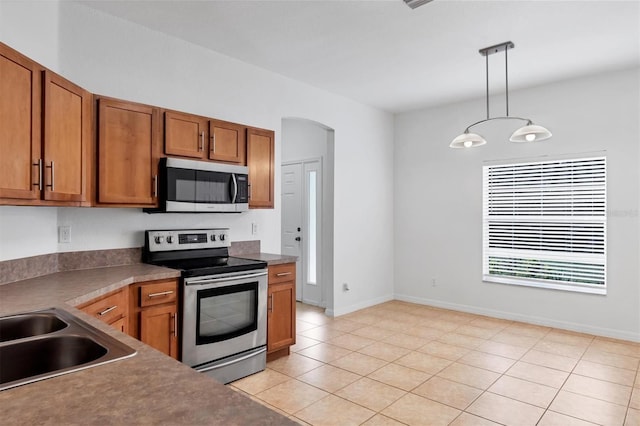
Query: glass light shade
467, 140
530, 133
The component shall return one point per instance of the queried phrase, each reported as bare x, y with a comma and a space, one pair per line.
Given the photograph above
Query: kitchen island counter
148, 388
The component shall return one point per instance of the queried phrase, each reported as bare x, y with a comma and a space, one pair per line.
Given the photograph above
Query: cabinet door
227, 142
20, 121
281, 316
260, 160
120, 325
184, 134
158, 329
67, 135
128, 136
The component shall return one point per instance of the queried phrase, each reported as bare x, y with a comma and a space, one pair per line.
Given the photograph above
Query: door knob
297, 238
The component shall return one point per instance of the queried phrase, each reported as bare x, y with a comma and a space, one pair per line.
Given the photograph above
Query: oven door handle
232, 361
203, 281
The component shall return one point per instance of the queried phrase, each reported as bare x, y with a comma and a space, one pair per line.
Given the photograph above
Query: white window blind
545, 224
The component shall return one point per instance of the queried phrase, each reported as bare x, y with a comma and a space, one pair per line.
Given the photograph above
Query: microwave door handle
235, 188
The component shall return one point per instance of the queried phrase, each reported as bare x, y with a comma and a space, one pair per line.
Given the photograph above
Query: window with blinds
545, 224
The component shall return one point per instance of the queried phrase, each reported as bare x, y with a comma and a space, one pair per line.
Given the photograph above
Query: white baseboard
356, 307
581, 328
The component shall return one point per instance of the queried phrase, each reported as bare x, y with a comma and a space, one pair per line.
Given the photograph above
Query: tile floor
401, 363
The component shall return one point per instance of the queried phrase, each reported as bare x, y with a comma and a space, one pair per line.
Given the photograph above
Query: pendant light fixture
528, 133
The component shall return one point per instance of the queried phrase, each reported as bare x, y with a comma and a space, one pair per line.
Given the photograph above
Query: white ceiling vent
416, 3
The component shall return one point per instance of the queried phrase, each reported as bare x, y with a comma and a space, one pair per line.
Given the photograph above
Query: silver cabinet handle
52, 185
39, 166
106, 311
283, 274
162, 293
201, 146
155, 185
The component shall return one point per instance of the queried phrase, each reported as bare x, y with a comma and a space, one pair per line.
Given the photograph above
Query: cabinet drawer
110, 308
282, 273
158, 293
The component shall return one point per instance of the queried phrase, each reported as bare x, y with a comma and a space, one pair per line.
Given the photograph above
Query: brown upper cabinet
260, 160
45, 135
128, 153
192, 136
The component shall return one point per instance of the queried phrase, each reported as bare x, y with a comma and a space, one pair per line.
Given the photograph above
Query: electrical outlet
64, 234
254, 228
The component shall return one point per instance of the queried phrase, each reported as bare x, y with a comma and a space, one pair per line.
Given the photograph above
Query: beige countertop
271, 259
149, 388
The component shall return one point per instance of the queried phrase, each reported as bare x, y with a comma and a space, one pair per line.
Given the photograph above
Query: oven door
223, 315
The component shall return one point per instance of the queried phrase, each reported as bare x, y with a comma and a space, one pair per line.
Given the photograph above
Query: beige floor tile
406, 341
605, 372
294, 365
608, 358
551, 418
258, 382
617, 346
466, 419
302, 326
423, 362
334, 411
444, 350
329, 378
324, 352
344, 325
569, 338
373, 332
384, 351
371, 394
351, 341
299, 421
468, 375
414, 410
505, 410
397, 326
637, 381
292, 395
589, 409
538, 374
633, 417
471, 330
544, 359
635, 399
524, 329
312, 316
557, 348
380, 420
487, 361
321, 333
524, 391
423, 332
359, 363
515, 339
447, 392
303, 343
401, 377
444, 325
607, 391
461, 340
490, 323
502, 349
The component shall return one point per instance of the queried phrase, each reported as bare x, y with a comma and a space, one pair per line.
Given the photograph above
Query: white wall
113, 57
438, 209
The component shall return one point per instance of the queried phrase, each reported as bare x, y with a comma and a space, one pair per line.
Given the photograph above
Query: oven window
226, 312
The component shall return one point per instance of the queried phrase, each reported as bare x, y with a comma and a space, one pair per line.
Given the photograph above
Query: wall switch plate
254, 228
64, 234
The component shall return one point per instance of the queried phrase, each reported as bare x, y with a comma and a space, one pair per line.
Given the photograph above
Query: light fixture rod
506, 80
486, 60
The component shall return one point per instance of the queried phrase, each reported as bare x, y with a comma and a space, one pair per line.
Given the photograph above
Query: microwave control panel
187, 239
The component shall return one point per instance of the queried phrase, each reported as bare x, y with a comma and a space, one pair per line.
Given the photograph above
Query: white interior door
302, 226
292, 218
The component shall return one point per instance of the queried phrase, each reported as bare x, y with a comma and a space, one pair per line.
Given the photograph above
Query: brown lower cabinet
111, 309
281, 310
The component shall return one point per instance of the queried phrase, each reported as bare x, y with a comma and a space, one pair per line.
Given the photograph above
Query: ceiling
384, 54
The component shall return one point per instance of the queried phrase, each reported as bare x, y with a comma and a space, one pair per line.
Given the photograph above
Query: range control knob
221, 237
213, 237
159, 239
170, 239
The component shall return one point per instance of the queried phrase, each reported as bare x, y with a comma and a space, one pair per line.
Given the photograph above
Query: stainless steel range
224, 301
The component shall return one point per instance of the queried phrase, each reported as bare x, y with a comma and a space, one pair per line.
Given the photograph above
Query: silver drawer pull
106, 311
283, 274
162, 293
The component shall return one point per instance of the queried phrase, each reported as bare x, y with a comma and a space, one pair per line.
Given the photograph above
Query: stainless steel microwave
201, 187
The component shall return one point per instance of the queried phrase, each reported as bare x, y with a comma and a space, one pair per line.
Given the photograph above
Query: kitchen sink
40, 345
27, 325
